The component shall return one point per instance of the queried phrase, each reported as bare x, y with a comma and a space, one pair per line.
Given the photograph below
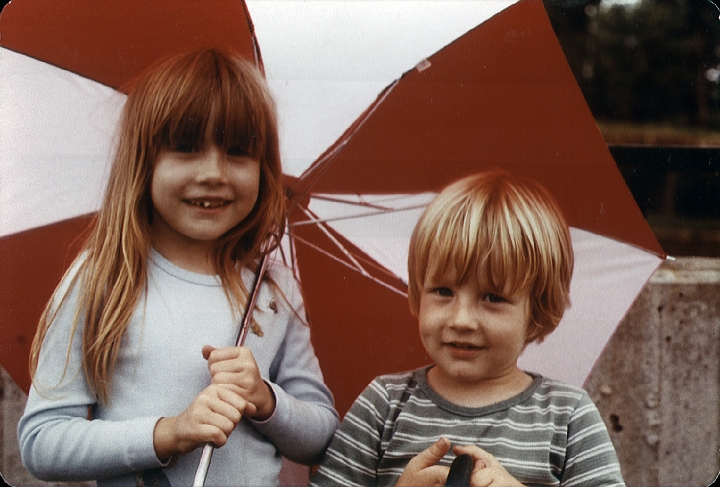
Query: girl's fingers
236, 368
207, 350
231, 355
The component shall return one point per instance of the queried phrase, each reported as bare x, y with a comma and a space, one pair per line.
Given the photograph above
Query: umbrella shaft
204, 466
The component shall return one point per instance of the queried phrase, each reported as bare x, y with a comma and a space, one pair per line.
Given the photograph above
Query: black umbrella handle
460, 471
209, 448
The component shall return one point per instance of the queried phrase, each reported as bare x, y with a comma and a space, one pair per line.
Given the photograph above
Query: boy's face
472, 333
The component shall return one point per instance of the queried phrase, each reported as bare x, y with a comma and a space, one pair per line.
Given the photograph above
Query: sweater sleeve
57, 440
590, 458
355, 452
305, 418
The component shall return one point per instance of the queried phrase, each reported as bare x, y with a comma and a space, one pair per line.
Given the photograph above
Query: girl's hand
235, 367
424, 470
210, 418
487, 471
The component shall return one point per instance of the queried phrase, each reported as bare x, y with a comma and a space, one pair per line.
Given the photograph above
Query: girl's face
198, 195
473, 334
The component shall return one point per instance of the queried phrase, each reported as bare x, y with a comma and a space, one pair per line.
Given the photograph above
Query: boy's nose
464, 315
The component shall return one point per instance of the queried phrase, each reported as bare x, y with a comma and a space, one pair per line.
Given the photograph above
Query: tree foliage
654, 61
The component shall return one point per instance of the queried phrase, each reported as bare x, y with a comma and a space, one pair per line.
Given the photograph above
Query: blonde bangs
475, 234
510, 232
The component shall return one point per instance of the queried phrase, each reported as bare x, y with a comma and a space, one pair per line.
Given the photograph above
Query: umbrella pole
206, 457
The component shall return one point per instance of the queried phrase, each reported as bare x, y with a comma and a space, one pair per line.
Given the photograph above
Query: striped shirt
550, 434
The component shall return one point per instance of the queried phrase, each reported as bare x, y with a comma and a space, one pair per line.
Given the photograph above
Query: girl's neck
192, 255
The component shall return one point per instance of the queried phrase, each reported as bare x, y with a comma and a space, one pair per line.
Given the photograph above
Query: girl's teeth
206, 204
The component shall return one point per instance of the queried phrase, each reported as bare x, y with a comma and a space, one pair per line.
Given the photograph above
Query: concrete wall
657, 384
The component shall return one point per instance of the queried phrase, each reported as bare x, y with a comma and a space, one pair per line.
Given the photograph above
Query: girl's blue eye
185, 148
237, 151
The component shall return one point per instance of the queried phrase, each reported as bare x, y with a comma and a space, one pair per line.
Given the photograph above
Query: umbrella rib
325, 160
340, 261
357, 215
350, 202
340, 246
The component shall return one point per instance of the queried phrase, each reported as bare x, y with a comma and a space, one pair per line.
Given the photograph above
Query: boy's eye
237, 151
444, 292
493, 298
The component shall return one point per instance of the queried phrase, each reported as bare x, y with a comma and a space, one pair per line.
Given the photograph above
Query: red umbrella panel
475, 94
501, 95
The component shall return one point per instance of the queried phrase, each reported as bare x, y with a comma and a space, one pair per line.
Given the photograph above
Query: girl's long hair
171, 104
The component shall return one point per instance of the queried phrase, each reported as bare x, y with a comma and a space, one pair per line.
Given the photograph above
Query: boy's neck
480, 393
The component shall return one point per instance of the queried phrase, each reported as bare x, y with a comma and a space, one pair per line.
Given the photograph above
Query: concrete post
658, 382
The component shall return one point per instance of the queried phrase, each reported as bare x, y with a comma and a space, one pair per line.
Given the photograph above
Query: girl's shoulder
280, 272
280, 280
71, 277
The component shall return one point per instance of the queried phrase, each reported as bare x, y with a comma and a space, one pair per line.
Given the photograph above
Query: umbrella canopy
501, 95
380, 103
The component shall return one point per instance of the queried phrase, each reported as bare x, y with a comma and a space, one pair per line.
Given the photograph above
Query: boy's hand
488, 472
423, 469
236, 368
210, 418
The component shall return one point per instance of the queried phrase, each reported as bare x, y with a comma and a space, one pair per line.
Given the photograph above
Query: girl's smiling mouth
208, 203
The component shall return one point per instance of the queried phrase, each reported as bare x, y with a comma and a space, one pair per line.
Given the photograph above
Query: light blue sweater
160, 370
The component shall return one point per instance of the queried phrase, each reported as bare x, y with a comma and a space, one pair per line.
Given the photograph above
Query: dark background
649, 71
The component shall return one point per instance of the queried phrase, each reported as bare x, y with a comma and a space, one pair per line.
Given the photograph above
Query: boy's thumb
432, 455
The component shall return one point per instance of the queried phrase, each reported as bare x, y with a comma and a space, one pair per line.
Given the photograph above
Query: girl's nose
212, 165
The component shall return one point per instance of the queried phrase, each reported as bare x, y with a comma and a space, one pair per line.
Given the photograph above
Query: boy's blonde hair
168, 106
509, 228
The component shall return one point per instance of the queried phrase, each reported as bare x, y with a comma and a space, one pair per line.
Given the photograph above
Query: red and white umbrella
380, 103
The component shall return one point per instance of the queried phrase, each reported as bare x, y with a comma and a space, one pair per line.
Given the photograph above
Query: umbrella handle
207, 451
460, 471
204, 466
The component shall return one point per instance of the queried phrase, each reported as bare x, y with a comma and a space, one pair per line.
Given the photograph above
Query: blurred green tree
650, 61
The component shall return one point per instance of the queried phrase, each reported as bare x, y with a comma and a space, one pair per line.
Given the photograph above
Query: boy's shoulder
553, 391
395, 385
408, 378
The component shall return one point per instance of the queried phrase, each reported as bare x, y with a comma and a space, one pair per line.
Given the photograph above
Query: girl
133, 365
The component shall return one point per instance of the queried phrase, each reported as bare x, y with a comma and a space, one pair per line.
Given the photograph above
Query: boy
490, 265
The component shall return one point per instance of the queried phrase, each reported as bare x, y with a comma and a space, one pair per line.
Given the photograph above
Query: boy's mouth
463, 346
